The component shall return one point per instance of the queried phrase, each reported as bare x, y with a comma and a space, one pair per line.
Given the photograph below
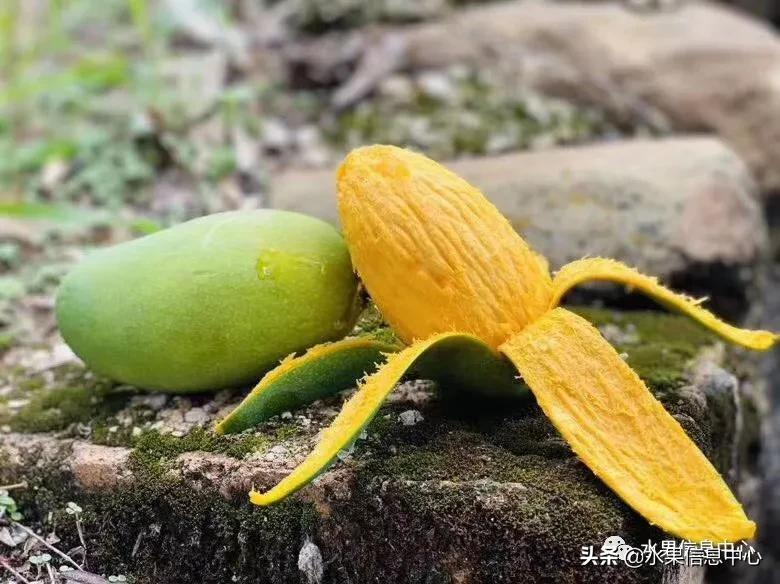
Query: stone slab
456, 492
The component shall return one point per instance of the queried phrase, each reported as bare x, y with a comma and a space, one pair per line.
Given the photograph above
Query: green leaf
144, 226
36, 211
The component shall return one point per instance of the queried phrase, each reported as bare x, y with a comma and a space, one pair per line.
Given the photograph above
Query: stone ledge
464, 495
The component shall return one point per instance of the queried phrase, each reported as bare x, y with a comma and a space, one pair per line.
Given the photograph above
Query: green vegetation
99, 102
462, 111
51, 410
159, 528
153, 452
87, 115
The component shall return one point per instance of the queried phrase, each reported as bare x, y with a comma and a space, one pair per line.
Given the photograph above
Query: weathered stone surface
466, 494
99, 468
702, 66
661, 205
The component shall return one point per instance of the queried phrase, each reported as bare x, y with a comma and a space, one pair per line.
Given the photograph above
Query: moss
159, 529
190, 535
470, 114
56, 409
370, 323
153, 450
201, 537
463, 492
7, 340
463, 444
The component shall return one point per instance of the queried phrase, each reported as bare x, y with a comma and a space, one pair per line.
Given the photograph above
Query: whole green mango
210, 303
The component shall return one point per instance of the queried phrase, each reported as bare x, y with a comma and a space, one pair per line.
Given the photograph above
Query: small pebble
410, 417
196, 416
310, 562
436, 85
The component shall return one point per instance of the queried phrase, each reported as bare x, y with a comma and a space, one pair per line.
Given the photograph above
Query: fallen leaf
12, 536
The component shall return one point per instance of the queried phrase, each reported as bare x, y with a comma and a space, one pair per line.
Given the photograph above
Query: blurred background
170, 109
646, 130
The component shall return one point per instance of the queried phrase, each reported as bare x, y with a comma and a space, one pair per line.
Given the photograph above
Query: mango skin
210, 303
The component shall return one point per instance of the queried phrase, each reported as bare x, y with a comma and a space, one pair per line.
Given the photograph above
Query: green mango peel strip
300, 378
322, 371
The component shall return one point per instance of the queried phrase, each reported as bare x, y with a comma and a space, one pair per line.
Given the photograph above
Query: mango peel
459, 362
441, 262
210, 303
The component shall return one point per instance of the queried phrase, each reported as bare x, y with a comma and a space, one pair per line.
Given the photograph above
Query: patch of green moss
155, 444
160, 529
31, 384
201, 537
52, 410
7, 340
153, 451
478, 479
371, 324
470, 114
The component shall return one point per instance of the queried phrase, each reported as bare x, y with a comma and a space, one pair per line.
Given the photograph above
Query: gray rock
277, 136
701, 66
398, 88
310, 562
196, 416
660, 205
410, 417
473, 495
436, 85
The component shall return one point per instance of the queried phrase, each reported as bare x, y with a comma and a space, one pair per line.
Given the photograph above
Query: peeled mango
210, 303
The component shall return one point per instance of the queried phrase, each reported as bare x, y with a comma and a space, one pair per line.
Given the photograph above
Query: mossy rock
468, 494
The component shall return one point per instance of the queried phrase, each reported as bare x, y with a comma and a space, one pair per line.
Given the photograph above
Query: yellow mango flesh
433, 252
211, 303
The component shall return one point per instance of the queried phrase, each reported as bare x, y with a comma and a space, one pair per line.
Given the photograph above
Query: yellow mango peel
357, 412
618, 428
440, 260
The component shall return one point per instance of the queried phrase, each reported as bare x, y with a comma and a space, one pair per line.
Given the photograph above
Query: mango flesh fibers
435, 255
441, 263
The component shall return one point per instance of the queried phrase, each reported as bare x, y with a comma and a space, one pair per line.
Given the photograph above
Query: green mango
210, 303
